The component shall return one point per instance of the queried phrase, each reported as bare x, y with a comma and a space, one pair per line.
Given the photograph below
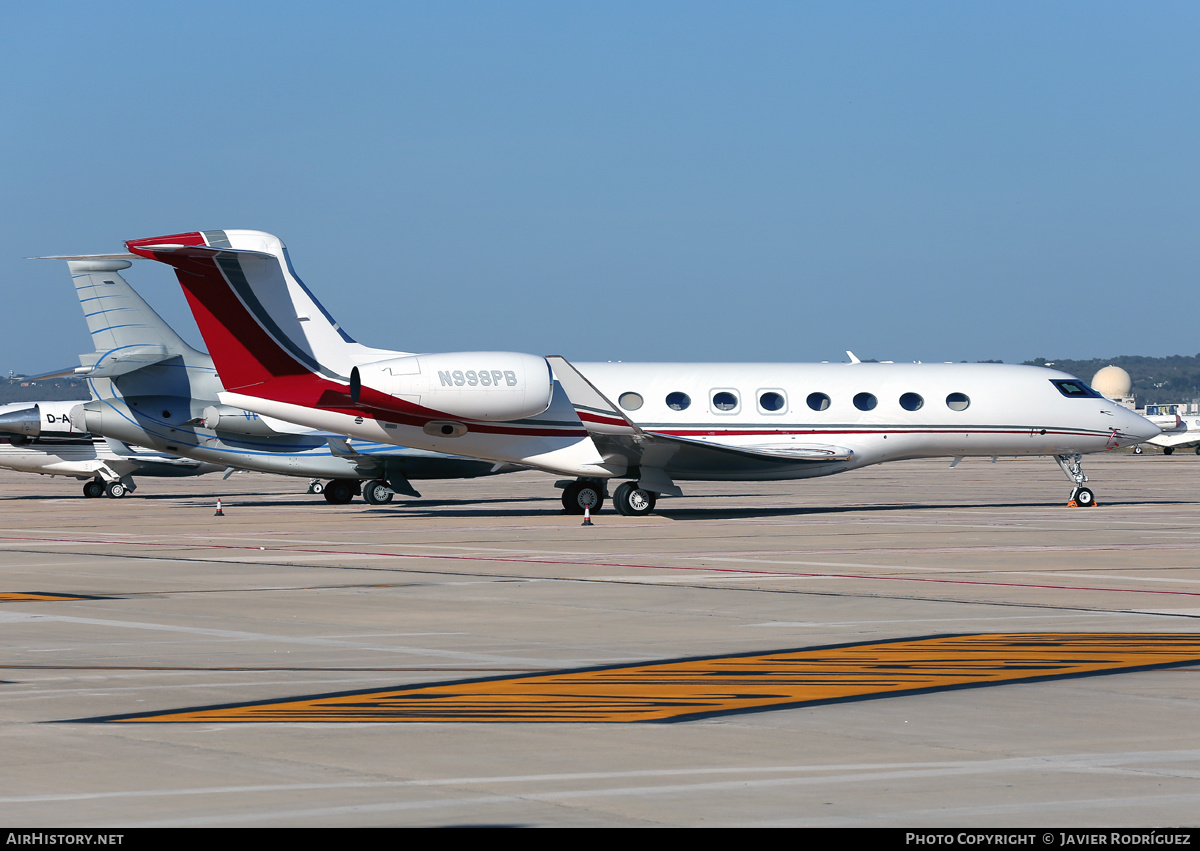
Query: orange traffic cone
587, 516
219, 513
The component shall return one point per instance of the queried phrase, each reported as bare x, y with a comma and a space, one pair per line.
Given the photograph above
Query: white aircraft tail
245, 293
127, 332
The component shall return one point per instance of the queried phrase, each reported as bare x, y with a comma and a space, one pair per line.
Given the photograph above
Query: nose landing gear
1082, 496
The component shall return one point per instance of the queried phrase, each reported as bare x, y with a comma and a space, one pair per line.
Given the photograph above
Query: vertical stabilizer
127, 332
257, 317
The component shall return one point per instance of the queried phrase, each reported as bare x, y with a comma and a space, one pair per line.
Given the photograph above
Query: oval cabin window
630, 401
678, 401
725, 401
771, 401
958, 401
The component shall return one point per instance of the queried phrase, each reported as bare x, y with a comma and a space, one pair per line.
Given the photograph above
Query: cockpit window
1076, 389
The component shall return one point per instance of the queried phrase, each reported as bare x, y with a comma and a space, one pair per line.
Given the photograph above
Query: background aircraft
1178, 432
152, 389
281, 353
39, 437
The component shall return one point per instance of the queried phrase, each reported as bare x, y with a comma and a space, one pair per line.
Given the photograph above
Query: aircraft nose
1138, 427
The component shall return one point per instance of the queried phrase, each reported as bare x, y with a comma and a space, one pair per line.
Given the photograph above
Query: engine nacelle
41, 419
234, 421
490, 386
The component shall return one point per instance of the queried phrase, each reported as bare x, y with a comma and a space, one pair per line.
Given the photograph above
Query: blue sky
635, 181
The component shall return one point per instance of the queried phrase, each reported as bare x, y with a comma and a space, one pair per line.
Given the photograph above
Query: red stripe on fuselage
899, 430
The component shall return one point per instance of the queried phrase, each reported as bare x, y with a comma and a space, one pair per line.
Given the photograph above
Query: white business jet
279, 353
41, 437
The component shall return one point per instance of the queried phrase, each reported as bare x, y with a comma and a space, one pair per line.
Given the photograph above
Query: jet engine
40, 419
234, 421
490, 386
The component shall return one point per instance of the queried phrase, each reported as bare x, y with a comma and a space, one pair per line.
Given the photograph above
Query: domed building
1114, 383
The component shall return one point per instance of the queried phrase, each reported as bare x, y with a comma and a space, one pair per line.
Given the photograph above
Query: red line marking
506, 560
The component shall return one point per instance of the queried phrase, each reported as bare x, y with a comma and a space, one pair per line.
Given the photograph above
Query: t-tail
271, 339
257, 318
127, 333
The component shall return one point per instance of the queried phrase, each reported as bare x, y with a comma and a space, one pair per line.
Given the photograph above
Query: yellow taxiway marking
691, 688
15, 597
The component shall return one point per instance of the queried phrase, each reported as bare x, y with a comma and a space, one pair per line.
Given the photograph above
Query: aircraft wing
621, 440
801, 452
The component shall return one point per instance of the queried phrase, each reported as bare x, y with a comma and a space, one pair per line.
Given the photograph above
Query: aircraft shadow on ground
465, 509
468, 508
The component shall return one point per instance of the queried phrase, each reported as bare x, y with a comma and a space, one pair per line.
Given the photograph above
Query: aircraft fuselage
881, 412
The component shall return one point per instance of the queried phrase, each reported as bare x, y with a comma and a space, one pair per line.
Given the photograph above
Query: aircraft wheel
316, 487
1084, 497
580, 495
377, 492
1137, 450
93, 489
115, 490
1198, 450
1167, 450
632, 501
340, 491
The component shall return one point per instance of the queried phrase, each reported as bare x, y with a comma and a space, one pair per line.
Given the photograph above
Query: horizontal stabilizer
123, 360
88, 257
201, 250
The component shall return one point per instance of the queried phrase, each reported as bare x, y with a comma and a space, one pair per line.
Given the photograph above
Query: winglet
598, 413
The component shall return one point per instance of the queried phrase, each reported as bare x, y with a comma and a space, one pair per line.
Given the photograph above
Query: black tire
377, 492
631, 501
316, 487
1167, 450
115, 490
340, 491
93, 489
1198, 450
1137, 450
1084, 497
580, 495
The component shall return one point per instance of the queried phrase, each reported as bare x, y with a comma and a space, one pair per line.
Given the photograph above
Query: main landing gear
377, 492
340, 491
583, 494
1082, 496
113, 490
632, 501
374, 491
589, 494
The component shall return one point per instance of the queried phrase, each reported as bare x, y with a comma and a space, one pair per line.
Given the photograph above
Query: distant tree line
48, 389
1155, 380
